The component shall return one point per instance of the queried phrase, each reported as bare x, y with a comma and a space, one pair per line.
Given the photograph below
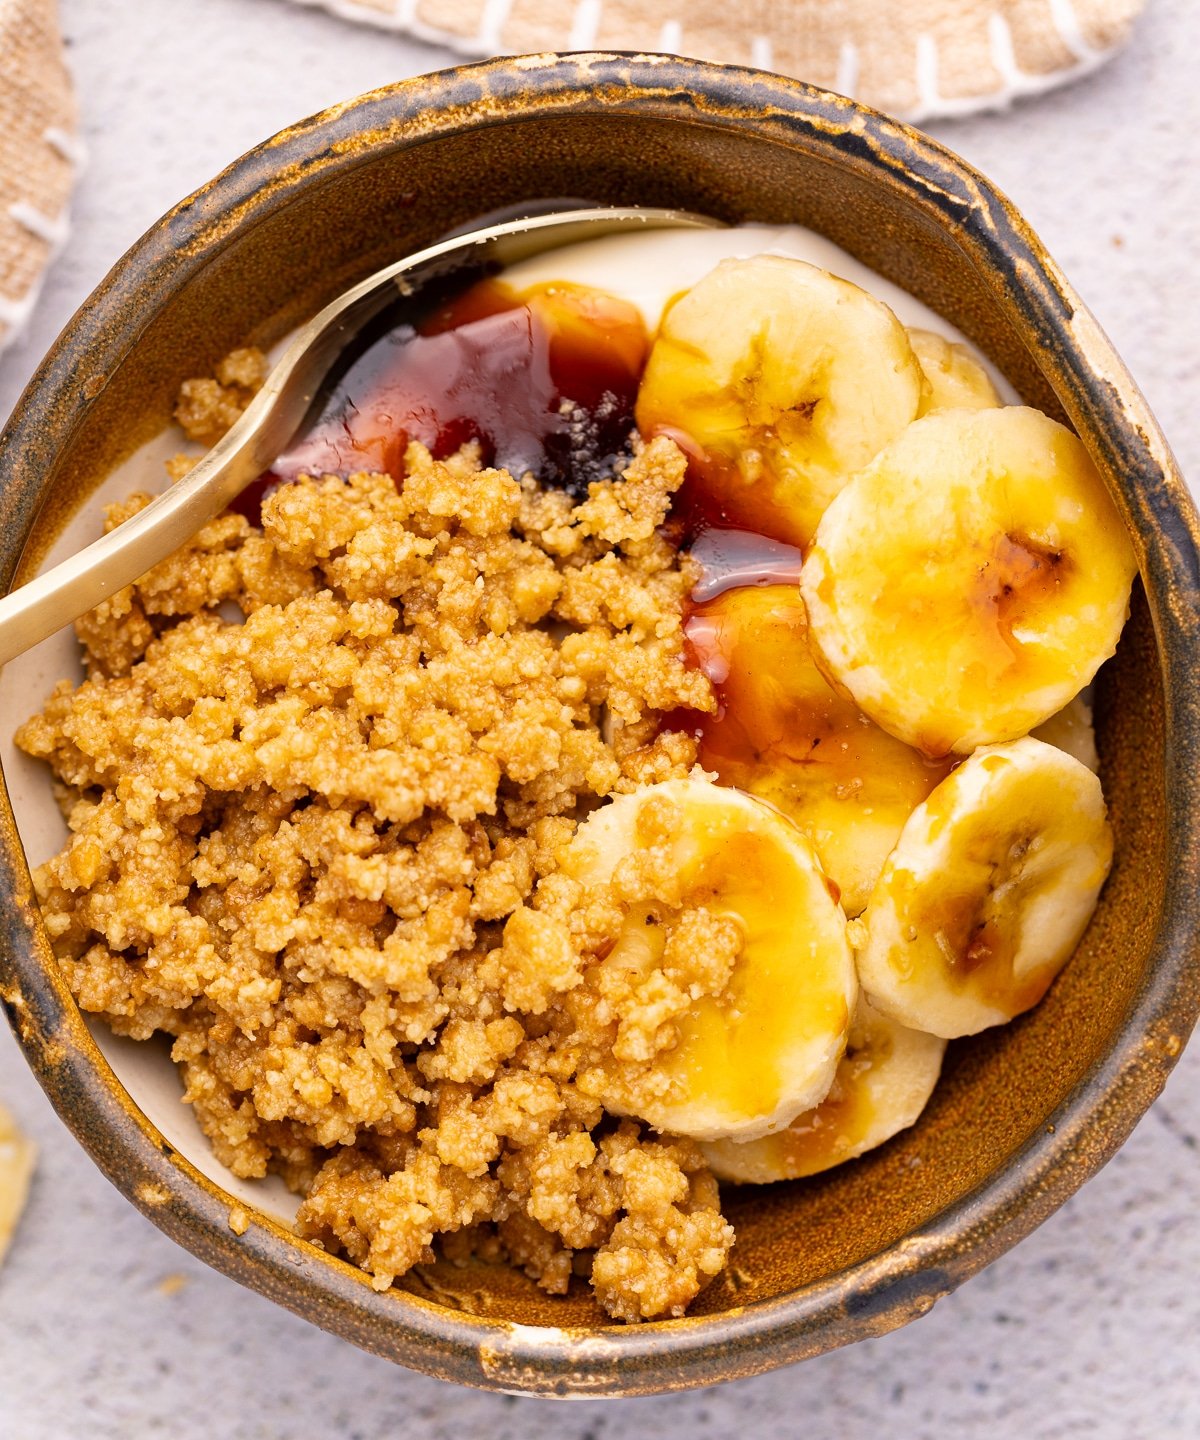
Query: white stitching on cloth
761, 51
28, 217
492, 21
1066, 22
847, 69
15, 310
585, 24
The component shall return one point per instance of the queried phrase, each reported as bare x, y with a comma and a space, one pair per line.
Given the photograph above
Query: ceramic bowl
1023, 1114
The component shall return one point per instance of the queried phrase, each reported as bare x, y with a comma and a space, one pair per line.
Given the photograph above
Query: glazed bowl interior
867, 1245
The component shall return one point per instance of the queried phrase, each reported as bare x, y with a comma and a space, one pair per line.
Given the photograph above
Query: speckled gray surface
1087, 1328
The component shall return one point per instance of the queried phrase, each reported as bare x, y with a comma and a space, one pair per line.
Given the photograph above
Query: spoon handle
54, 599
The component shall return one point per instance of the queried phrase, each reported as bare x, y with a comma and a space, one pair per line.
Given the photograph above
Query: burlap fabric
913, 58
38, 153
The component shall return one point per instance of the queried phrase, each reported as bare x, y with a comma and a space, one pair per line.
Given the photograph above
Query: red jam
545, 381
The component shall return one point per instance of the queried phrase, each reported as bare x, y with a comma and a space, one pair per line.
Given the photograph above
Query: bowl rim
903, 1281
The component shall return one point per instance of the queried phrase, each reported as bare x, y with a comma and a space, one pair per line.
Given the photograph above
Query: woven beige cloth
38, 153
913, 58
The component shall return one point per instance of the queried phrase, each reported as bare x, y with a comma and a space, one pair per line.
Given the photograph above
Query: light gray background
1089, 1327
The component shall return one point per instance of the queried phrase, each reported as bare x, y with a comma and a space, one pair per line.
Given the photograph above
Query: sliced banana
754, 1048
780, 381
955, 379
987, 892
782, 733
881, 1086
970, 580
1071, 729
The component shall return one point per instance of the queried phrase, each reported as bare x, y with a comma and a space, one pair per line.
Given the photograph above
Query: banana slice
782, 733
881, 1086
955, 379
1072, 730
970, 580
987, 892
763, 1024
780, 381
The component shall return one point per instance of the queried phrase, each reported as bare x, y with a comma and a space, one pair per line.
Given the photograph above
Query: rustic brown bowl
1024, 1114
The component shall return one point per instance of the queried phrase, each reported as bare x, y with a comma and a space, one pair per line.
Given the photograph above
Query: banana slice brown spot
970, 581
732, 937
881, 1086
990, 886
779, 380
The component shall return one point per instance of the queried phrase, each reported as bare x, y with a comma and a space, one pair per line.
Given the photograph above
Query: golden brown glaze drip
1018, 581
775, 708
742, 1036
979, 939
838, 1124
717, 494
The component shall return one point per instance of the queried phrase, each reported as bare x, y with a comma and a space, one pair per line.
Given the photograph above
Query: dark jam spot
732, 549
545, 383
687, 722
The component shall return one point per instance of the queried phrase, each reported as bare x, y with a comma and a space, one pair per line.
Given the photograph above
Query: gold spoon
275, 415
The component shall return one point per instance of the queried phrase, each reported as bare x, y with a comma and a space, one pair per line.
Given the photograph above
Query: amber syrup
544, 383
